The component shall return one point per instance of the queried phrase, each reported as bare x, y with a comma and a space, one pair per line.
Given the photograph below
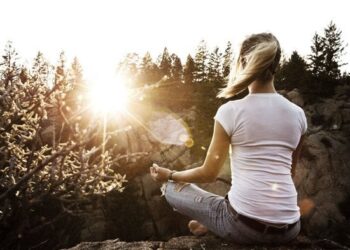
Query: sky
100, 33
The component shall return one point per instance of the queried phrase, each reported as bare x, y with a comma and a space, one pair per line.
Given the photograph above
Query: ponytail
258, 60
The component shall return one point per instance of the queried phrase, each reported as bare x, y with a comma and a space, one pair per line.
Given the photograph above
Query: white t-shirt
265, 129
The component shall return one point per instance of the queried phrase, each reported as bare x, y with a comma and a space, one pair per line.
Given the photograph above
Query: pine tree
325, 61
40, 69
333, 50
214, 72
149, 71
200, 60
317, 56
227, 60
77, 90
61, 71
293, 73
76, 72
176, 68
165, 63
9, 68
327, 50
129, 67
189, 70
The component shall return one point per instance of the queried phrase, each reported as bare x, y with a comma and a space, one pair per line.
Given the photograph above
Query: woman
265, 132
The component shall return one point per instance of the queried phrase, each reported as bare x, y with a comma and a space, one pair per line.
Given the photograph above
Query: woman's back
265, 129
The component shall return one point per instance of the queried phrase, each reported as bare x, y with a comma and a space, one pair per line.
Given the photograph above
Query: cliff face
323, 173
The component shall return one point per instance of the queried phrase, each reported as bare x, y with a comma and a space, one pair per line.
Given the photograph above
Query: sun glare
109, 96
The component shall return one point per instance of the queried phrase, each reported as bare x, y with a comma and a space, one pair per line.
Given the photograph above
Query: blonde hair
258, 59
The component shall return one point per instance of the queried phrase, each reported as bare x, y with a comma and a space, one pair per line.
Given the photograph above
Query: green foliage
317, 57
215, 73
325, 62
333, 51
189, 70
165, 64
320, 76
149, 72
176, 68
226, 66
201, 64
129, 67
293, 73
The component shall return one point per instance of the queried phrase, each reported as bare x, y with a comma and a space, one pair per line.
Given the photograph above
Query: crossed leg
208, 211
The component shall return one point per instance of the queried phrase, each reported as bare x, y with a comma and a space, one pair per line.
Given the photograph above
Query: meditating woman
265, 132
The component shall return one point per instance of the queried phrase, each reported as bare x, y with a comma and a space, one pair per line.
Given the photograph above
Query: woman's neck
258, 87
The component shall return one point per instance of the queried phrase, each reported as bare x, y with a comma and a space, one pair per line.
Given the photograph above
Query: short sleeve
303, 122
224, 117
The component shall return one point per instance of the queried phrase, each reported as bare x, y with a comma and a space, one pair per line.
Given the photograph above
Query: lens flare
168, 129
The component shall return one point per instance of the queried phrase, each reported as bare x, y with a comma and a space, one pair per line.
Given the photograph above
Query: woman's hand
159, 174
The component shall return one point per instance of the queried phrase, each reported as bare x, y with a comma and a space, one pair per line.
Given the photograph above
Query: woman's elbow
210, 177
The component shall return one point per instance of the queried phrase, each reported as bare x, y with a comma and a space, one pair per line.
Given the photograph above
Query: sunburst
109, 96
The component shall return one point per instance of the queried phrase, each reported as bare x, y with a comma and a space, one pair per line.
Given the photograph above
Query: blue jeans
214, 212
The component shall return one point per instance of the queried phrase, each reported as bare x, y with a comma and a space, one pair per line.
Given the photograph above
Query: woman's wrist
171, 175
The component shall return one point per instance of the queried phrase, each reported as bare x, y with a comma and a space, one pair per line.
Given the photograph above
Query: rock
342, 92
148, 229
295, 97
328, 108
183, 160
149, 186
146, 145
282, 92
208, 242
345, 113
322, 179
94, 231
175, 157
159, 208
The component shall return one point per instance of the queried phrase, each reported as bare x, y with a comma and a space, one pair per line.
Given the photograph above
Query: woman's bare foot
197, 228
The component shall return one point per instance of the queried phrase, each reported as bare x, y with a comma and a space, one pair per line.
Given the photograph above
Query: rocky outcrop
322, 176
296, 97
322, 180
140, 212
206, 242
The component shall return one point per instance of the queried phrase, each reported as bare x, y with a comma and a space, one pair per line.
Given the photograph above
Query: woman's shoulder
291, 104
233, 103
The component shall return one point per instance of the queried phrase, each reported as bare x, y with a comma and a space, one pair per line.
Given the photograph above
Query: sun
109, 96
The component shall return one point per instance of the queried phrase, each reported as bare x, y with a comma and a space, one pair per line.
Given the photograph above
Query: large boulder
322, 180
295, 97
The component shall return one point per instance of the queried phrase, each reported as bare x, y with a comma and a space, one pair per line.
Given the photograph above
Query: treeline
319, 73
205, 66
315, 75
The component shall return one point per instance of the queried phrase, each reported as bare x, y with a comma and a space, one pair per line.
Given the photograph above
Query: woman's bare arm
208, 172
214, 160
